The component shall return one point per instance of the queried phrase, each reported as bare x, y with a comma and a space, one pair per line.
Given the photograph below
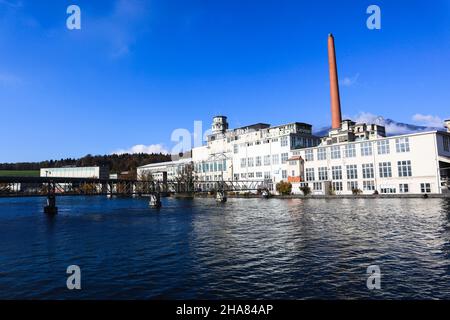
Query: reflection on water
246, 248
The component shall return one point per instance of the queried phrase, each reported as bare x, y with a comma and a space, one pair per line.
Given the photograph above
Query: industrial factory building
407, 164
354, 158
99, 172
254, 152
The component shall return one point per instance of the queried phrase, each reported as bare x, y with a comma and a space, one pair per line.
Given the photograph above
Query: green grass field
19, 173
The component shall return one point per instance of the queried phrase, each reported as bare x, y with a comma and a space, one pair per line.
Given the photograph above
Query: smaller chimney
447, 124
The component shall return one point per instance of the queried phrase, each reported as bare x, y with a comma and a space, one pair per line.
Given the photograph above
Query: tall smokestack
336, 117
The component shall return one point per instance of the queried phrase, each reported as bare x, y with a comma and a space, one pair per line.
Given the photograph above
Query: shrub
284, 188
306, 190
356, 191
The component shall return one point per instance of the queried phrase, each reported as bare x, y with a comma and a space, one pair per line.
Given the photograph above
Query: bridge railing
41, 186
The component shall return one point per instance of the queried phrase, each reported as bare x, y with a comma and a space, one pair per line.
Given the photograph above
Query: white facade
355, 158
413, 163
164, 171
76, 172
255, 152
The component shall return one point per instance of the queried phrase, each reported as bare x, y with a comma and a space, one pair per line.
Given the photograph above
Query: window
284, 157
284, 141
402, 144
335, 152
243, 175
404, 168
236, 148
352, 185
352, 171
251, 174
243, 162
317, 186
236, 176
367, 170
337, 186
250, 162
350, 151
259, 174
336, 172
446, 142
258, 161
368, 185
385, 170
404, 188
383, 147
323, 173
366, 149
321, 154
275, 159
267, 160
425, 187
309, 155
267, 175
309, 174
388, 190
284, 174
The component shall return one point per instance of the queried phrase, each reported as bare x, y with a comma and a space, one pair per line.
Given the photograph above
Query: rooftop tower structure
447, 125
219, 125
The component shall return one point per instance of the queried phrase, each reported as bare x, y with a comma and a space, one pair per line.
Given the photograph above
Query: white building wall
73, 172
422, 154
172, 169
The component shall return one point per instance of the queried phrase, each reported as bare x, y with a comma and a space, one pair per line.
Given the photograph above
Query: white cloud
349, 81
141, 148
392, 127
428, 120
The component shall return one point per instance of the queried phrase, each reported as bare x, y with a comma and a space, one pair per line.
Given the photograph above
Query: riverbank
361, 196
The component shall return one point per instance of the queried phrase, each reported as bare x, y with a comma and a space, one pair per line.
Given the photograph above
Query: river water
246, 248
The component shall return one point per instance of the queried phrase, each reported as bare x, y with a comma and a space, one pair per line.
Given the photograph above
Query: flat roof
256, 125
377, 139
166, 163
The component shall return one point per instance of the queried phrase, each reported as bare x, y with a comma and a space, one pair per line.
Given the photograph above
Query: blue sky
137, 70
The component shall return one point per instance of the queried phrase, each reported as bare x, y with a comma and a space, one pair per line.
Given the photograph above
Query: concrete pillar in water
221, 197
155, 200
51, 207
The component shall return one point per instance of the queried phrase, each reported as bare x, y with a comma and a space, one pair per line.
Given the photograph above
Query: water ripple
246, 248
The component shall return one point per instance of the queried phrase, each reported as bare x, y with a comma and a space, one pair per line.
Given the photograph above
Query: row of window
268, 160
214, 166
446, 142
296, 142
370, 186
384, 171
259, 174
366, 149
